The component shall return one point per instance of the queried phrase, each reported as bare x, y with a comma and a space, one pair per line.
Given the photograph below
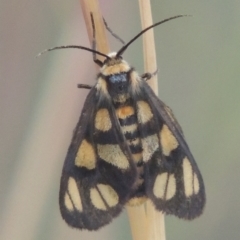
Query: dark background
198, 60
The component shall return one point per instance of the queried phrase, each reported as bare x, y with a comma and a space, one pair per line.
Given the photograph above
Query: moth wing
173, 180
93, 189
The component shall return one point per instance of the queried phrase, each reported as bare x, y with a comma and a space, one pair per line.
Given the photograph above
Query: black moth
127, 147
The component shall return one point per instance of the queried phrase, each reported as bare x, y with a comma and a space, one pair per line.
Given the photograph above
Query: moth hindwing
127, 147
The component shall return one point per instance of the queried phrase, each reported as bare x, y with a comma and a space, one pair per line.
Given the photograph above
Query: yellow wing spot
160, 185
168, 141
196, 183
102, 120
129, 128
124, 112
144, 113
171, 187
165, 186
149, 146
86, 156
68, 202
102, 193
102, 86
136, 201
113, 154
187, 177
74, 195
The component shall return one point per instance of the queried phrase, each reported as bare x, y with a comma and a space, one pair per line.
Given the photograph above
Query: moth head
115, 71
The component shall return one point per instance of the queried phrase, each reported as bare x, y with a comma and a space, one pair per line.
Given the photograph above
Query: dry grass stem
155, 219
101, 37
145, 222
150, 62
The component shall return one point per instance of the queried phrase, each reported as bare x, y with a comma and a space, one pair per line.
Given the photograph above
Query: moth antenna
112, 33
121, 51
75, 46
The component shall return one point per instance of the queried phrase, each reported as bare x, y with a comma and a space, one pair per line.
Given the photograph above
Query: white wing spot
149, 145
196, 183
107, 194
165, 186
68, 202
96, 199
113, 154
160, 185
187, 177
171, 187
74, 195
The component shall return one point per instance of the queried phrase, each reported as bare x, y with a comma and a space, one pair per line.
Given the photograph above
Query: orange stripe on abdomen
124, 112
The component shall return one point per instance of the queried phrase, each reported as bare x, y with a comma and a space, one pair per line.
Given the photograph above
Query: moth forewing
174, 167
99, 172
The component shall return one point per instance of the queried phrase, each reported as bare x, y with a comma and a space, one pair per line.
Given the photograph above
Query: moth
127, 148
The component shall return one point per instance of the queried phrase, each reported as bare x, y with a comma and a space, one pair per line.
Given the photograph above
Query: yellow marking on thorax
86, 156
115, 68
72, 198
144, 112
108, 194
121, 98
113, 154
168, 141
124, 112
102, 120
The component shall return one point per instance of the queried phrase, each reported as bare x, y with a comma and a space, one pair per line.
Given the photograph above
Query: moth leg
84, 86
146, 76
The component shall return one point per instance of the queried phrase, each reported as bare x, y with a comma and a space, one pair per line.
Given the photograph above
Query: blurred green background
199, 69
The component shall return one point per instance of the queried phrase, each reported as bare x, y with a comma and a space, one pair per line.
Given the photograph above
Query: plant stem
92, 6
155, 219
146, 223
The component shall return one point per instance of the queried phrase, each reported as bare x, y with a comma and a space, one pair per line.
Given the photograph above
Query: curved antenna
75, 46
112, 33
121, 51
